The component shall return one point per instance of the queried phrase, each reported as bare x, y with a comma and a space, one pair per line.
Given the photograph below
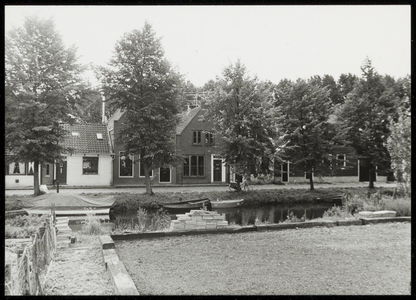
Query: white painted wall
76, 178
24, 181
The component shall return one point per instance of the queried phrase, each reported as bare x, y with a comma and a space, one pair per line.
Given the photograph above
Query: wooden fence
34, 260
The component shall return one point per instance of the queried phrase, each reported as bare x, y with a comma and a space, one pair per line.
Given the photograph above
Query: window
341, 161
209, 138
141, 171
197, 137
126, 165
194, 166
16, 168
90, 165
30, 168
47, 171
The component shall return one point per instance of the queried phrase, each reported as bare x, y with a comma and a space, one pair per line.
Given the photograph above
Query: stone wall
198, 219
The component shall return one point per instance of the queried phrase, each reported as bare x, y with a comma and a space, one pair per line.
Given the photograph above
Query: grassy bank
357, 260
130, 202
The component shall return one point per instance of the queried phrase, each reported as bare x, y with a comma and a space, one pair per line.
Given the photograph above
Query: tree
366, 112
41, 92
399, 144
346, 85
142, 83
307, 136
242, 111
333, 88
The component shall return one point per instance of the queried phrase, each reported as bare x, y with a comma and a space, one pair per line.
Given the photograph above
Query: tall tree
332, 86
399, 145
242, 111
41, 92
366, 112
307, 135
346, 85
143, 83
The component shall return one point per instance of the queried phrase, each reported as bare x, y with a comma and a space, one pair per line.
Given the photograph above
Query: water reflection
243, 216
272, 214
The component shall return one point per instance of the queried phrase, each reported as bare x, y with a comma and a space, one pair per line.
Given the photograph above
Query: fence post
8, 278
28, 273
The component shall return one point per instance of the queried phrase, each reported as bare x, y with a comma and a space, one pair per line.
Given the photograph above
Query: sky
273, 42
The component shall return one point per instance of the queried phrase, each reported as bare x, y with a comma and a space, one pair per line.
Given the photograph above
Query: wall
136, 179
76, 178
24, 181
185, 146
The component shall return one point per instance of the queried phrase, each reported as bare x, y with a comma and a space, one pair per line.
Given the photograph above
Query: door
285, 169
61, 172
364, 171
164, 175
217, 170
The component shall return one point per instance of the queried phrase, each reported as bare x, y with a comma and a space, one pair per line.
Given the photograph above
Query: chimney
103, 108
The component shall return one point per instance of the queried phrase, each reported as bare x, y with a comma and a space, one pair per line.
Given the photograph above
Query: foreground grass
356, 260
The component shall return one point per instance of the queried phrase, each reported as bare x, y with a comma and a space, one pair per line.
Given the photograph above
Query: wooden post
8, 278
28, 273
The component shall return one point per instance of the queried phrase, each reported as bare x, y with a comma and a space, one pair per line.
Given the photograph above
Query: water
243, 216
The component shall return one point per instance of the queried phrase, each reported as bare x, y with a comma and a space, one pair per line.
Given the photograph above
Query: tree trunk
371, 177
36, 178
147, 179
311, 181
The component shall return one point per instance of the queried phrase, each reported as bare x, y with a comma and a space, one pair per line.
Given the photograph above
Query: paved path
204, 188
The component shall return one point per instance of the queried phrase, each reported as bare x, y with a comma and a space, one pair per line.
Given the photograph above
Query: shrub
400, 205
92, 225
142, 218
23, 226
160, 221
292, 218
337, 212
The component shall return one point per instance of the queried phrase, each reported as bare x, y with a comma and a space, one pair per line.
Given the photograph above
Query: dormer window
197, 137
99, 136
209, 138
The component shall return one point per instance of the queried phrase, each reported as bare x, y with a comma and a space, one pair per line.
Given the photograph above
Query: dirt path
79, 271
355, 260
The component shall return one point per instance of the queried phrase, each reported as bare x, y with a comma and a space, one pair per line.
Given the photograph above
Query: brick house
194, 141
346, 166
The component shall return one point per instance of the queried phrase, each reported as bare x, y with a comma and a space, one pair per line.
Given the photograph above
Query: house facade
195, 142
346, 166
20, 174
90, 164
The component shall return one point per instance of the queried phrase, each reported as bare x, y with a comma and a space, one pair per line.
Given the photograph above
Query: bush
160, 221
23, 226
292, 218
92, 225
337, 212
400, 205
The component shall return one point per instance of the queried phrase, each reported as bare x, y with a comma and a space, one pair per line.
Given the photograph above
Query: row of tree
259, 122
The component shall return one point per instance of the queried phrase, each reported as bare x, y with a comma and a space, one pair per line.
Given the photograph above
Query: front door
217, 170
164, 175
364, 171
285, 170
61, 172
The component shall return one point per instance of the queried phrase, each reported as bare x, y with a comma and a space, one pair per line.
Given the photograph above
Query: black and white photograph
207, 150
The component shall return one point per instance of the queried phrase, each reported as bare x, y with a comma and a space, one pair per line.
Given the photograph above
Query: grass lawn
355, 260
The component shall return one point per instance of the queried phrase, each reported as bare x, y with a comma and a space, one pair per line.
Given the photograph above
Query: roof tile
87, 141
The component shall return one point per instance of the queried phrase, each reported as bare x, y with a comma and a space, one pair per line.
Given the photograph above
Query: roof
87, 141
186, 118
